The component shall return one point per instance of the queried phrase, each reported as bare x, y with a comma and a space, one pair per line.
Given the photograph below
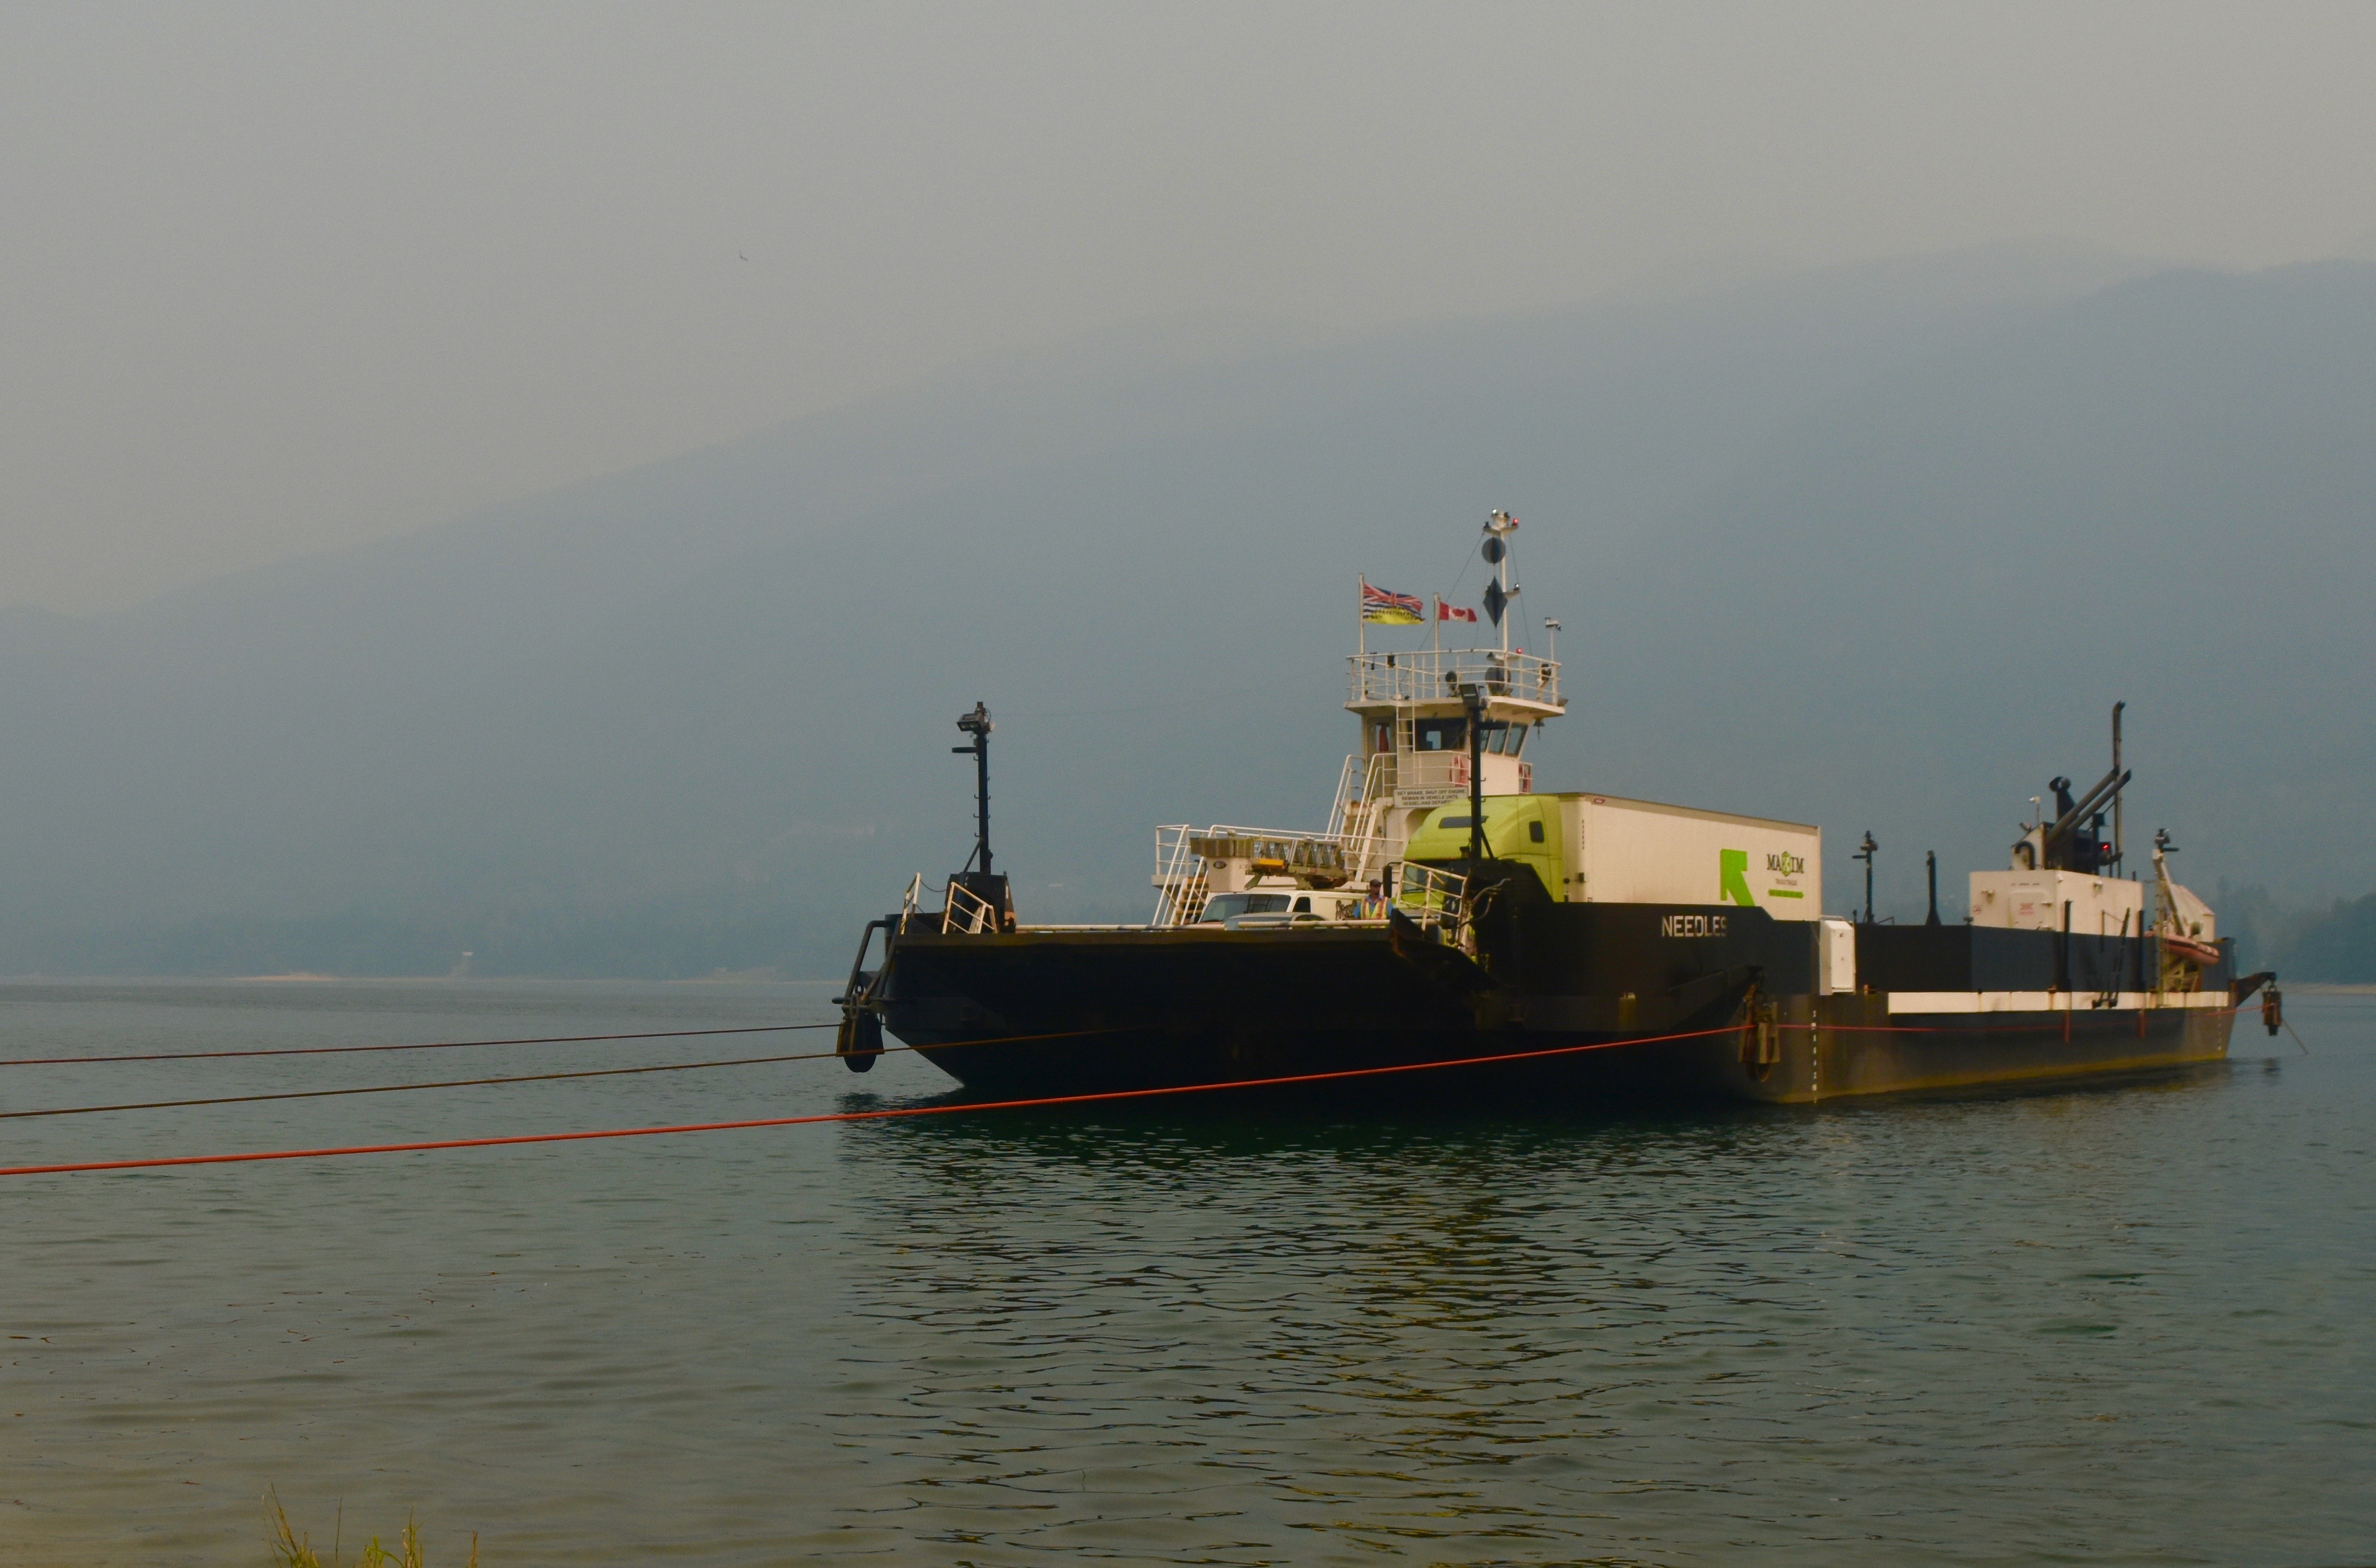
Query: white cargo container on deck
1622, 851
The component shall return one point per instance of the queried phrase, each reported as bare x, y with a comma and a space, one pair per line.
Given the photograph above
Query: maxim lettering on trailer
1691, 925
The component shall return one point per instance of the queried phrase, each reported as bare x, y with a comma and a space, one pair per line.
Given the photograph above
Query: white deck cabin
1412, 756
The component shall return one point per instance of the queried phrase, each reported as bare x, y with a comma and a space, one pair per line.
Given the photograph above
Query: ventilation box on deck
2034, 901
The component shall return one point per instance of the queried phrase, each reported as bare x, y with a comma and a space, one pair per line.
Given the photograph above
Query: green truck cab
1524, 828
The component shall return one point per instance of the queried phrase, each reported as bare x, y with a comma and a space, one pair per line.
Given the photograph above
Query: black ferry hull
1882, 1044
1140, 1009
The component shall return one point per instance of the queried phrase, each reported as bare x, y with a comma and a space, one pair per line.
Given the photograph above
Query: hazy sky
273, 279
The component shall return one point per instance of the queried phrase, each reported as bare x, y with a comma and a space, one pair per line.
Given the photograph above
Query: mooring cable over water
396, 1088
517, 1078
422, 1045
886, 1113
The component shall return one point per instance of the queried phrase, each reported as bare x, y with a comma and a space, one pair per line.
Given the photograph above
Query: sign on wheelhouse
1445, 909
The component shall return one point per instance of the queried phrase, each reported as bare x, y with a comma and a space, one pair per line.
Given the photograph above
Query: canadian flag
1454, 612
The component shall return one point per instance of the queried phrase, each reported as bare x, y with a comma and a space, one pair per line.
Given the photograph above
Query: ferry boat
1573, 944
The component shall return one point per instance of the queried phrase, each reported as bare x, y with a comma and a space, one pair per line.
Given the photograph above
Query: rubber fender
860, 1040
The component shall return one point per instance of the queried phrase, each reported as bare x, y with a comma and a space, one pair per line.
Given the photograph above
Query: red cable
848, 1115
841, 1116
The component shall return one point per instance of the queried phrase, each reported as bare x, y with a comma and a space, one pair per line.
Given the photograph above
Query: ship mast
2117, 846
1499, 527
977, 724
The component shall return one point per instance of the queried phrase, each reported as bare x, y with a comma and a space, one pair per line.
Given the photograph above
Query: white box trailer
1621, 852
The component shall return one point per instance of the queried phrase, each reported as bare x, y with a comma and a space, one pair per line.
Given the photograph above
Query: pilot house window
1441, 735
1452, 735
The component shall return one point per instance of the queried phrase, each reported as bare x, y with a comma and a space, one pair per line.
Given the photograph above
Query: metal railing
1180, 877
968, 912
1366, 787
1366, 818
1437, 900
1430, 675
1350, 779
1183, 854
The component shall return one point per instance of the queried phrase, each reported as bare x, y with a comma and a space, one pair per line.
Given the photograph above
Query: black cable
393, 1088
522, 1078
430, 1045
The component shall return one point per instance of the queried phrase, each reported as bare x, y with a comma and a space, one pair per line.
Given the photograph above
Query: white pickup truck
1249, 911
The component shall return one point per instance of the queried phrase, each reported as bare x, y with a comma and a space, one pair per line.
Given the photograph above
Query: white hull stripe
2076, 1002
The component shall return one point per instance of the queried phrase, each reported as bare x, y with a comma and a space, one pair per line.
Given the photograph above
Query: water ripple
2117, 1325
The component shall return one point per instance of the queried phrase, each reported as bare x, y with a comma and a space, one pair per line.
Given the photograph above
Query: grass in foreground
290, 1550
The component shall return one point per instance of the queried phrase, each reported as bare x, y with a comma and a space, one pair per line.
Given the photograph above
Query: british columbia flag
1390, 608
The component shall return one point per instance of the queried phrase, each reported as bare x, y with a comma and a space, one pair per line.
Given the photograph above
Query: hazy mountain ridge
701, 711
2336, 945
2332, 943
2161, 494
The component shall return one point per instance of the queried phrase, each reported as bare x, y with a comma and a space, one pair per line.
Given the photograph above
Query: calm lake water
2108, 1325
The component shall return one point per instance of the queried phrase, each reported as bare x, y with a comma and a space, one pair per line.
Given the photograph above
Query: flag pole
1438, 633
1360, 621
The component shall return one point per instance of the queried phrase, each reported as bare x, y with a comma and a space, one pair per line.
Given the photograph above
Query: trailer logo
1732, 877
1786, 864
1691, 925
